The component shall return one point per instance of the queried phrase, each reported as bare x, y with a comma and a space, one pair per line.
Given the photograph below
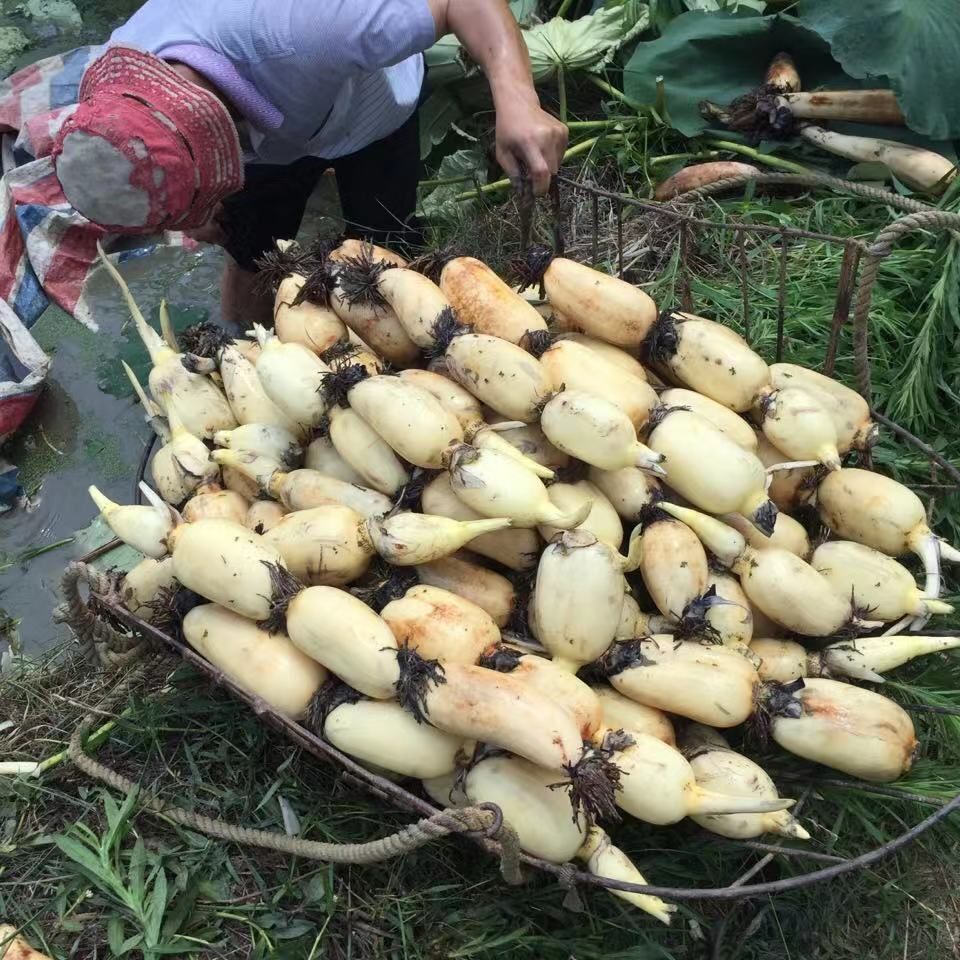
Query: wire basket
859, 264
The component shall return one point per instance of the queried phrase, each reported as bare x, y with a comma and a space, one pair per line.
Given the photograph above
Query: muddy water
88, 428
85, 428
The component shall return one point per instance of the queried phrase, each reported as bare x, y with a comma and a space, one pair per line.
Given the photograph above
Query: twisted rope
877, 251
906, 204
567, 881
99, 640
475, 819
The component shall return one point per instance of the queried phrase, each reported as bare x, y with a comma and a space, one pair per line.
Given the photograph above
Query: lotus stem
670, 157
759, 157
612, 91
562, 92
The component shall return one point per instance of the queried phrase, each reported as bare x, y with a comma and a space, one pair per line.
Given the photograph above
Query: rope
476, 819
906, 204
99, 640
929, 219
567, 881
877, 251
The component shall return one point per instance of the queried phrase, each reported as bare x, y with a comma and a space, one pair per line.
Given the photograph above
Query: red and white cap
146, 150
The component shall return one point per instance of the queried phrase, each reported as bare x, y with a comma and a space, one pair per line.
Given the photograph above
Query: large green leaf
914, 43
437, 116
585, 44
719, 56
448, 62
663, 11
524, 10
462, 169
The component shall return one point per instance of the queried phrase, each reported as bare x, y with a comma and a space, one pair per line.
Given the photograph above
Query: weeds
134, 883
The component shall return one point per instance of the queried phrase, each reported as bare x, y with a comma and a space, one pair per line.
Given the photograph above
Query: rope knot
99, 640
484, 819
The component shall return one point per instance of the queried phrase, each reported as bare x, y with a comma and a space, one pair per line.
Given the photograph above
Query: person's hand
529, 138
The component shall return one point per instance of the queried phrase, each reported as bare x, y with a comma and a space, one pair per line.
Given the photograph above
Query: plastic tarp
23, 369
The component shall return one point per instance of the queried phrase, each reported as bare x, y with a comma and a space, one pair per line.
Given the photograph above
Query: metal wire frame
858, 274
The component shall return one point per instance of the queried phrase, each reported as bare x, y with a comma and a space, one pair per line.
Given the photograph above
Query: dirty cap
146, 150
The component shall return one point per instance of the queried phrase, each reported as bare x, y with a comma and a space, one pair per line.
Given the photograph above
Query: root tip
594, 782
764, 518
416, 677
662, 340
284, 587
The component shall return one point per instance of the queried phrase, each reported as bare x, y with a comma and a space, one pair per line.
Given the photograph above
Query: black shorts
378, 196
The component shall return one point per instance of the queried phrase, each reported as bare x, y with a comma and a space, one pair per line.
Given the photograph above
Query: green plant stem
445, 182
598, 124
586, 145
660, 104
574, 151
612, 91
562, 92
668, 157
96, 739
35, 552
564, 7
759, 157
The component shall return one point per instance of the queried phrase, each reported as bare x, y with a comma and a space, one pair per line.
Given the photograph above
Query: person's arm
526, 134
